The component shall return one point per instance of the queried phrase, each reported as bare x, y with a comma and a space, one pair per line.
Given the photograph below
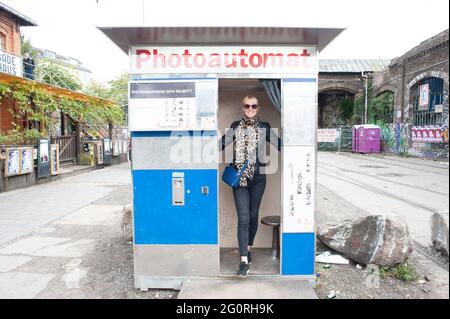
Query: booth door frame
256, 77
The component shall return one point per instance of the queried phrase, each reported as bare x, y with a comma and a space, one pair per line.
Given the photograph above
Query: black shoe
249, 258
243, 270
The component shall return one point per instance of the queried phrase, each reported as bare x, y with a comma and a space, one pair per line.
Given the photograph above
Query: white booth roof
124, 37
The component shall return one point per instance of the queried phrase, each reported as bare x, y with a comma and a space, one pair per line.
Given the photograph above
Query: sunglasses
247, 106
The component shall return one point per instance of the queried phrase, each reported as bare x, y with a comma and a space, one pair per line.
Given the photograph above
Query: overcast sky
374, 29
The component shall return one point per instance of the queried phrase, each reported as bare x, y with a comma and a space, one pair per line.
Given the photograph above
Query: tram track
385, 179
393, 163
377, 190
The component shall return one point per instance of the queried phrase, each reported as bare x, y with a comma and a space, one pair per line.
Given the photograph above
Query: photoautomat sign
223, 59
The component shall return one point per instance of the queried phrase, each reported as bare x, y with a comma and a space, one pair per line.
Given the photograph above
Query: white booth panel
299, 111
299, 189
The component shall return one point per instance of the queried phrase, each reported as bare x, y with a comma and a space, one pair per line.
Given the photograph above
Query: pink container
369, 139
355, 138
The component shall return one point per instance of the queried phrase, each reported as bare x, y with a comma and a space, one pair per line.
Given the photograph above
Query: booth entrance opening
265, 261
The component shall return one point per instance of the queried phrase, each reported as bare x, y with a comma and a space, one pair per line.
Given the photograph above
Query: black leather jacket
270, 136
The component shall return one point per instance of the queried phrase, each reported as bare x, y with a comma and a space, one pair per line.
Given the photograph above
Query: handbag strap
243, 168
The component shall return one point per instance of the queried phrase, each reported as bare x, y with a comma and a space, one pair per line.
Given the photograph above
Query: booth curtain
273, 90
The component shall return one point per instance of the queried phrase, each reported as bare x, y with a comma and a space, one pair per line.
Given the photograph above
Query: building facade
340, 81
419, 82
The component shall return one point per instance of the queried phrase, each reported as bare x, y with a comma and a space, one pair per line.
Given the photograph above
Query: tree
27, 47
346, 109
117, 90
97, 89
381, 108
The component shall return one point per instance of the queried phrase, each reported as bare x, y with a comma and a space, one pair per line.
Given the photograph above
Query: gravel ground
349, 282
111, 274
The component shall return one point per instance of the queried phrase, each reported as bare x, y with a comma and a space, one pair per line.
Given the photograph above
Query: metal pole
365, 102
340, 139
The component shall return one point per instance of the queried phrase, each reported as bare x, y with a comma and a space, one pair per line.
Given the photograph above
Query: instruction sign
172, 105
299, 189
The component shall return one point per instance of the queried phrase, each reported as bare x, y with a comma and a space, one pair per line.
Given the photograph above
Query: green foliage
21, 137
35, 103
27, 47
358, 114
380, 107
404, 272
97, 89
54, 74
346, 109
117, 90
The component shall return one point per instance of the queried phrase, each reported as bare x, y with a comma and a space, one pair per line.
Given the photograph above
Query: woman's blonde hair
249, 98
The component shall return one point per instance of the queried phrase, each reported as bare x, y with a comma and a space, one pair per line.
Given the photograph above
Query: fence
343, 141
67, 147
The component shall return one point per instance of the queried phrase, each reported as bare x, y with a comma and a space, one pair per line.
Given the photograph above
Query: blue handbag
231, 176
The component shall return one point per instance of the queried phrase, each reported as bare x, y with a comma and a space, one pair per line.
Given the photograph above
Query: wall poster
99, 147
12, 162
43, 158
54, 159
424, 96
26, 160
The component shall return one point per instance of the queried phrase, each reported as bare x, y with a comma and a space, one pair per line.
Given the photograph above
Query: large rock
375, 239
439, 232
127, 222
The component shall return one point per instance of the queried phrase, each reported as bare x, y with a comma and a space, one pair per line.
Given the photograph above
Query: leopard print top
247, 135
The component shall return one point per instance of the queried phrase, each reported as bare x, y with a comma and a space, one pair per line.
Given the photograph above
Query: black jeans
248, 200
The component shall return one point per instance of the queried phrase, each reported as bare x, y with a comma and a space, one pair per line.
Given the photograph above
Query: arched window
2, 41
381, 108
427, 96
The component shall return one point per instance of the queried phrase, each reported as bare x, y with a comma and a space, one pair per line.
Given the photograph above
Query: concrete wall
15, 182
229, 111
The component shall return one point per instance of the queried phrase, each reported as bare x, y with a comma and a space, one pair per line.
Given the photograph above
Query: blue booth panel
157, 221
298, 254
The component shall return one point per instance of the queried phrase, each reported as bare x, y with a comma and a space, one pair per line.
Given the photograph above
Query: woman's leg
256, 191
242, 201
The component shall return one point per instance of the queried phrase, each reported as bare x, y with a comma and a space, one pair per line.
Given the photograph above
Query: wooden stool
274, 221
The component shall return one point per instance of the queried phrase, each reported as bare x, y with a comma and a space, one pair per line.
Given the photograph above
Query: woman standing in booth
249, 136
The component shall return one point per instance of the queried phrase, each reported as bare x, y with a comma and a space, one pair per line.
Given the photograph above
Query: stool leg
277, 241
274, 243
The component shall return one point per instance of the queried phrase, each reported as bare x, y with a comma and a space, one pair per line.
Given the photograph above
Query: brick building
10, 23
10, 45
341, 79
419, 81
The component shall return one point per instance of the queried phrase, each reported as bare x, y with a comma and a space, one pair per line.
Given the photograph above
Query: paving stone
8, 263
19, 285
